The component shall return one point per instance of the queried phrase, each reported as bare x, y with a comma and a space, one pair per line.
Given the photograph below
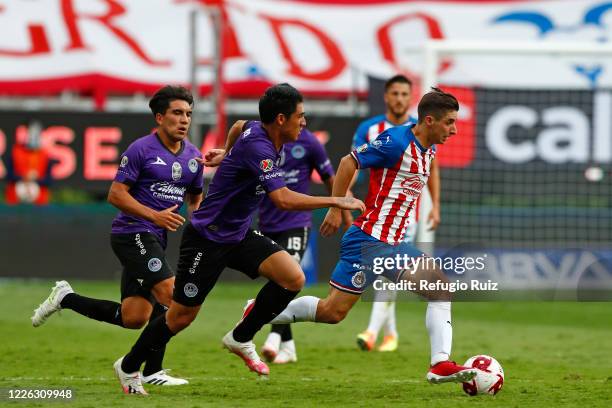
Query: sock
287, 335
288, 346
377, 317
390, 327
302, 309
153, 338
270, 301
155, 359
101, 310
438, 323
284, 330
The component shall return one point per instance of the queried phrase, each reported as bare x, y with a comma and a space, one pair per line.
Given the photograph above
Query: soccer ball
490, 377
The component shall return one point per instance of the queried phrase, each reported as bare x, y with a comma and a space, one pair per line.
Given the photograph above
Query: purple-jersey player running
156, 174
400, 159
291, 229
219, 237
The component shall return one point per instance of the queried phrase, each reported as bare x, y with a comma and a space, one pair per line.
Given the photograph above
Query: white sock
438, 323
273, 341
377, 317
390, 326
302, 309
288, 346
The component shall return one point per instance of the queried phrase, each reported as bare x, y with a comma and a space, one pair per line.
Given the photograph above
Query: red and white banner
322, 47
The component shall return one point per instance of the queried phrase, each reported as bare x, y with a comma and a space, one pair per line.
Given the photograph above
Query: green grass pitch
554, 354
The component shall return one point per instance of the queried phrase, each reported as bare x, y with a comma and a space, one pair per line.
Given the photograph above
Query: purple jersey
245, 175
298, 160
158, 179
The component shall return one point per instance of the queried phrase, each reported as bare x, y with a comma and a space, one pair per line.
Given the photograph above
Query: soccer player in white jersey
400, 160
397, 98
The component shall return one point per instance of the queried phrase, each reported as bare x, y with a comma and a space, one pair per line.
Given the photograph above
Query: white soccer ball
490, 377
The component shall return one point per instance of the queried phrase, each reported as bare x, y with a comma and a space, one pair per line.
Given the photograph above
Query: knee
296, 283
134, 321
330, 316
179, 322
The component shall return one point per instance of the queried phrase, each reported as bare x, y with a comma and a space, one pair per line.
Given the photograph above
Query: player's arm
347, 216
290, 200
433, 184
193, 202
119, 196
213, 157
344, 176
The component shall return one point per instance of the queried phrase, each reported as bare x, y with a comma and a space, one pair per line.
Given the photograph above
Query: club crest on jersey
376, 143
362, 148
193, 165
298, 152
266, 165
124, 161
190, 290
359, 279
154, 264
177, 171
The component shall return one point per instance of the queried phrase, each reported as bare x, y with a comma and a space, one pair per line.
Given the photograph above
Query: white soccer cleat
246, 351
52, 304
163, 378
271, 347
131, 383
287, 353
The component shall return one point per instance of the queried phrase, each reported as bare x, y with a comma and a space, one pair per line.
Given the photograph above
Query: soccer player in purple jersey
291, 229
397, 98
219, 237
156, 174
400, 159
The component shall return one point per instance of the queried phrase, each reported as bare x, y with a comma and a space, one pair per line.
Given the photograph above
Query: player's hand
168, 219
331, 223
349, 203
347, 219
433, 220
212, 158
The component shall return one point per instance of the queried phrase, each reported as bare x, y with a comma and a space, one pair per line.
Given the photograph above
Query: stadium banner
324, 48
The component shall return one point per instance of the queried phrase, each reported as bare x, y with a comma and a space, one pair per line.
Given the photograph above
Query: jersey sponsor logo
165, 190
412, 185
259, 190
190, 290
359, 279
124, 161
154, 264
266, 165
298, 152
362, 148
177, 171
159, 161
193, 165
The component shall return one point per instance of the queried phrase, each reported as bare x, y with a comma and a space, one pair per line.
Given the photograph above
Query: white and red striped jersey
399, 169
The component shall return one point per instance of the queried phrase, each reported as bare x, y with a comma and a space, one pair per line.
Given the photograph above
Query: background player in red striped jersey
397, 98
400, 160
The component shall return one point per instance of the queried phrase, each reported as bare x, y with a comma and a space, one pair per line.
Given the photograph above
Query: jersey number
294, 243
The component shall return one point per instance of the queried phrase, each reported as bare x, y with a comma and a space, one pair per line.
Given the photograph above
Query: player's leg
258, 255
391, 337
279, 346
438, 323
366, 340
133, 313
196, 276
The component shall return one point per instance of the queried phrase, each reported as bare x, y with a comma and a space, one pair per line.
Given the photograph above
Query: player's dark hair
436, 103
160, 102
397, 79
279, 98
